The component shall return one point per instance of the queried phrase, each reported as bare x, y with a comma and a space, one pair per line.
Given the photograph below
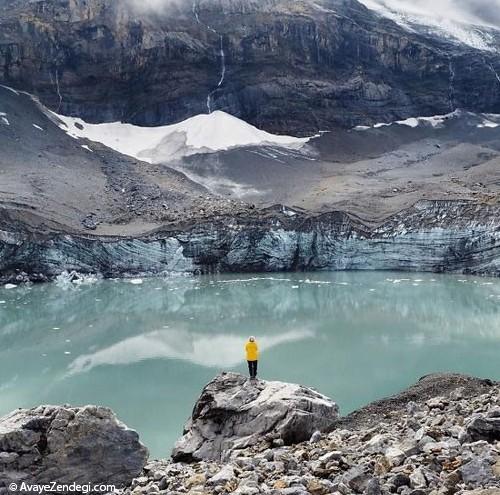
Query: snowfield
207, 133
444, 18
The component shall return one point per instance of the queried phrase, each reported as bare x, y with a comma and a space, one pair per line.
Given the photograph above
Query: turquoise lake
146, 349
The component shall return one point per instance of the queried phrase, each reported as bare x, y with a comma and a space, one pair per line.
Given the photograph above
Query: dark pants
252, 368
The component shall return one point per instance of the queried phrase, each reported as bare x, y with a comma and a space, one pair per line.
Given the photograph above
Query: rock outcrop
289, 66
432, 236
485, 427
86, 445
233, 413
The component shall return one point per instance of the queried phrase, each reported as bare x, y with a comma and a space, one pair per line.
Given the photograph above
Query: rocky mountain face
283, 66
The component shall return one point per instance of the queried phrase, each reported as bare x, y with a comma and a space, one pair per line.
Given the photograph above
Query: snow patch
3, 118
207, 133
37, 127
489, 124
435, 121
488, 120
86, 147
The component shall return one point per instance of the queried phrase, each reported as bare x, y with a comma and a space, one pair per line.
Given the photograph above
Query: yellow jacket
252, 350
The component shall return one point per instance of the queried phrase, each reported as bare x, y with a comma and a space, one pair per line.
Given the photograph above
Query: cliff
334, 62
435, 236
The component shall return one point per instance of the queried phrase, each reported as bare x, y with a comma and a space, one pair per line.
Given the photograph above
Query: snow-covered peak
205, 133
443, 18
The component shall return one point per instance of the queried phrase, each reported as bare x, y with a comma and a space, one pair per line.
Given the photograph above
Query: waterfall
222, 56
58, 89
451, 89
494, 72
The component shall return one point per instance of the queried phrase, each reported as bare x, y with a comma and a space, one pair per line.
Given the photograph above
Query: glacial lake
147, 349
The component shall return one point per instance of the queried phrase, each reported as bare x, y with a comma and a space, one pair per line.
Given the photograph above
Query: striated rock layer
233, 412
432, 236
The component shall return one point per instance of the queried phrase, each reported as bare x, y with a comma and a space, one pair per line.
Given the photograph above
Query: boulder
234, 412
477, 472
484, 428
69, 444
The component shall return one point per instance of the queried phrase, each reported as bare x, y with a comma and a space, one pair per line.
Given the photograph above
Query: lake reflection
146, 350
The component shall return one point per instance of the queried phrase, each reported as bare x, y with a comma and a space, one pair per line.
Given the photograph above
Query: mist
156, 5
486, 11
480, 12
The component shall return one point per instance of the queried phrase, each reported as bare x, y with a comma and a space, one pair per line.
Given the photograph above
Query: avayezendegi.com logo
55, 487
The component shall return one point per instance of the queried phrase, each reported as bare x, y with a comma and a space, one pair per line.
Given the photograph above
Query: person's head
251, 339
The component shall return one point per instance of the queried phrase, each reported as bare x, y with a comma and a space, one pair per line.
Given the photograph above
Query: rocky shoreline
439, 437
432, 236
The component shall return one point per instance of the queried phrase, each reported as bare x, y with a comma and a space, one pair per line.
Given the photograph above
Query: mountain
288, 67
54, 183
244, 135
372, 171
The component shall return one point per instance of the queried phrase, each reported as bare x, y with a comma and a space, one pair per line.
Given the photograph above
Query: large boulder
486, 428
68, 444
234, 412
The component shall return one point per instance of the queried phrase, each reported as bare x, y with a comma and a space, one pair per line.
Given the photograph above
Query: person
252, 353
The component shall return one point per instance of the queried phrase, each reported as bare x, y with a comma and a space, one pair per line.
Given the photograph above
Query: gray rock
8, 457
484, 428
315, 437
357, 479
417, 479
233, 412
223, 476
477, 472
82, 445
400, 480
395, 455
373, 487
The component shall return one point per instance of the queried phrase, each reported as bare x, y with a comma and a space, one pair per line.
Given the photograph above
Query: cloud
481, 12
486, 11
155, 5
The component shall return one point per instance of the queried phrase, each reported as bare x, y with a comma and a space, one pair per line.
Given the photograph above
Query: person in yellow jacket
252, 354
